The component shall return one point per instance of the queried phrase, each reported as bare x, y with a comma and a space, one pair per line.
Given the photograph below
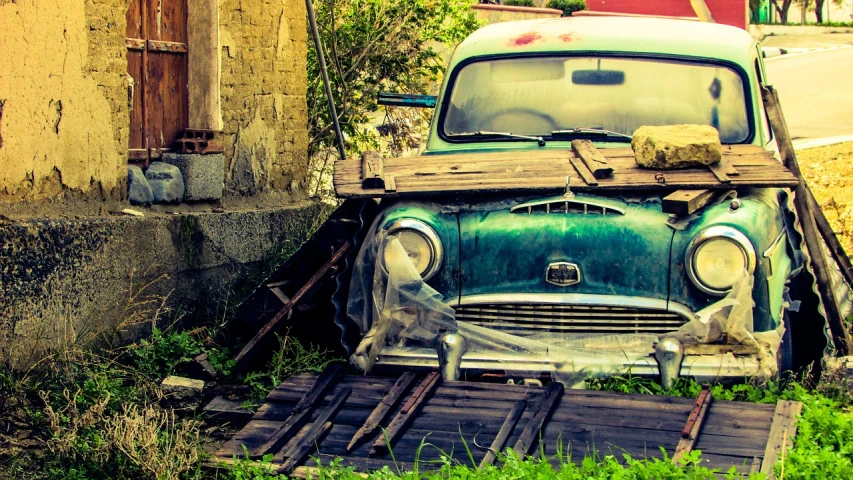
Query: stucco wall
264, 83
64, 101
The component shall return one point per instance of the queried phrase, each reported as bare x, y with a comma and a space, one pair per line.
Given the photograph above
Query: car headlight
717, 257
421, 244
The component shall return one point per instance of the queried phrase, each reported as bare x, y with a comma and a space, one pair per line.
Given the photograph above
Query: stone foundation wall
103, 279
264, 83
63, 98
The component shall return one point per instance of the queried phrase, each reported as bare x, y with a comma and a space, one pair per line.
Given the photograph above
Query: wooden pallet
334, 408
547, 170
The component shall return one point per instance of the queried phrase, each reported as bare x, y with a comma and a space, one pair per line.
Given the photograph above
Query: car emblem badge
563, 274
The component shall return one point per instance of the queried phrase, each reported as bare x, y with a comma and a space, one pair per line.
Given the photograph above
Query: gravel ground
829, 173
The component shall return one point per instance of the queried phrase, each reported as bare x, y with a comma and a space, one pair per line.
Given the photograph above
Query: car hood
619, 246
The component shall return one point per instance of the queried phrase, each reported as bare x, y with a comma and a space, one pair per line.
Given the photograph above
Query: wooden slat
389, 401
583, 171
530, 434
135, 44
690, 433
840, 336
300, 414
404, 417
166, 47
592, 158
296, 454
247, 352
782, 433
506, 430
284, 299
719, 172
685, 202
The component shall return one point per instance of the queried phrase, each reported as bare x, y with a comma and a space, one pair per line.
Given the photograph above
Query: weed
291, 357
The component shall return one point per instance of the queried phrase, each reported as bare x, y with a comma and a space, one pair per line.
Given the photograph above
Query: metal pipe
312, 21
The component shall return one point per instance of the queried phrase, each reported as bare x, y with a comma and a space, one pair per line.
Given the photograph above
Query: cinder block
181, 391
167, 183
204, 175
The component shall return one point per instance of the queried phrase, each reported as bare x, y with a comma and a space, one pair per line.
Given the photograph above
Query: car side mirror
406, 100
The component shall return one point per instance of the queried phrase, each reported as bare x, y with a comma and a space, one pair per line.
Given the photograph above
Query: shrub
568, 6
519, 3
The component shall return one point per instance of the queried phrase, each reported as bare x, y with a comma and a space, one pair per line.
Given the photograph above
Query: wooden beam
247, 352
592, 158
811, 237
406, 415
166, 47
389, 401
506, 430
782, 433
305, 443
702, 11
835, 248
719, 171
690, 433
204, 65
685, 202
546, 405
372, 170
301, 412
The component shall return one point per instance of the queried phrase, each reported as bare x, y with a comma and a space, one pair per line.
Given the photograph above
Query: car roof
662, 36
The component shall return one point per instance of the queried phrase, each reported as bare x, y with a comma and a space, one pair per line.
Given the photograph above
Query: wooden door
157, 61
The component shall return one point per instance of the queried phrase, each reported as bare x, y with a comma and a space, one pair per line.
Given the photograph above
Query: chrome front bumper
703, 368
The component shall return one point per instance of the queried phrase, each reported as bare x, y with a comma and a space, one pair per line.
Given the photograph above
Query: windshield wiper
483, 133
586, 132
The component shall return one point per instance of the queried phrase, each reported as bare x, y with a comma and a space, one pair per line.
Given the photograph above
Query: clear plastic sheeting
403, 306
730, 320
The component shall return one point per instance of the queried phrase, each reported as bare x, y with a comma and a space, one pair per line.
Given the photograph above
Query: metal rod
312, 21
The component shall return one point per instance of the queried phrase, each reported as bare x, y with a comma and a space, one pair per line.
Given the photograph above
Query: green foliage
373, 45
519, 3
291, 357
568, 6
159, 355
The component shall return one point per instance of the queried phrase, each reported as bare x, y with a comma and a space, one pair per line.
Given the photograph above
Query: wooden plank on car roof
546, 170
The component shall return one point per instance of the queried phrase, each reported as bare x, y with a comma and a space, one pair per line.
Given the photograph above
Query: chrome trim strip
428, 233
716, 232
782, 234
576, 299
567, 199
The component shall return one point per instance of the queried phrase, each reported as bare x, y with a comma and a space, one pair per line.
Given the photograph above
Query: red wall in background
729, 12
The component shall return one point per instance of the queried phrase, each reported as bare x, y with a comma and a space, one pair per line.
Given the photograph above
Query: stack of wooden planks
349, 416
548, 170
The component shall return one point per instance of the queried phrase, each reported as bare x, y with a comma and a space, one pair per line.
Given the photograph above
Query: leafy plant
373, 45
519, 3
568, 6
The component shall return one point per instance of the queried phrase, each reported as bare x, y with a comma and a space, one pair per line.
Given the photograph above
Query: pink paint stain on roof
524, 39
568, 37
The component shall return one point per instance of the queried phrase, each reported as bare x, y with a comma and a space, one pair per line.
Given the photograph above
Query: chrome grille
526, 319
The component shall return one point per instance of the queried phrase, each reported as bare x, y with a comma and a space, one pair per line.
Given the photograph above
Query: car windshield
551, 96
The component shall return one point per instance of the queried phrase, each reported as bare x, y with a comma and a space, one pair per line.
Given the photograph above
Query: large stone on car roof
676, 146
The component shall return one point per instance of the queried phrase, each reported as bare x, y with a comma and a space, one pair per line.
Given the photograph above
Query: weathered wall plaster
63, 91
264, 83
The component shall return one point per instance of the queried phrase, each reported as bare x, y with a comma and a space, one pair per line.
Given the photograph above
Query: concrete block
181, 391
204, 175
167, 183
138, 188
676, 146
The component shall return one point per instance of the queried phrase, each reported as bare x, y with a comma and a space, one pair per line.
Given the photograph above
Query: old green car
581, 284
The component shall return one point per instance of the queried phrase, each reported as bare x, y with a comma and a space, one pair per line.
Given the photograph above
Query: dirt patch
829, 173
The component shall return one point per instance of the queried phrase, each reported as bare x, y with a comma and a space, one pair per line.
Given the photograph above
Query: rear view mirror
598, 77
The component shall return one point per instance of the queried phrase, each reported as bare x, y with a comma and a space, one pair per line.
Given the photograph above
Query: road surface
816, 91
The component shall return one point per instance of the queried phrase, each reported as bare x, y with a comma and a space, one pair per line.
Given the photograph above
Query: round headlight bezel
429, 234
714, 233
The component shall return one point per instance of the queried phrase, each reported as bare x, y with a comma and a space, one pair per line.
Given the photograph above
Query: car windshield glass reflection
538, 96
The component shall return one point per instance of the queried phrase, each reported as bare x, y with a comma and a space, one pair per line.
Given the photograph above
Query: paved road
816, 91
